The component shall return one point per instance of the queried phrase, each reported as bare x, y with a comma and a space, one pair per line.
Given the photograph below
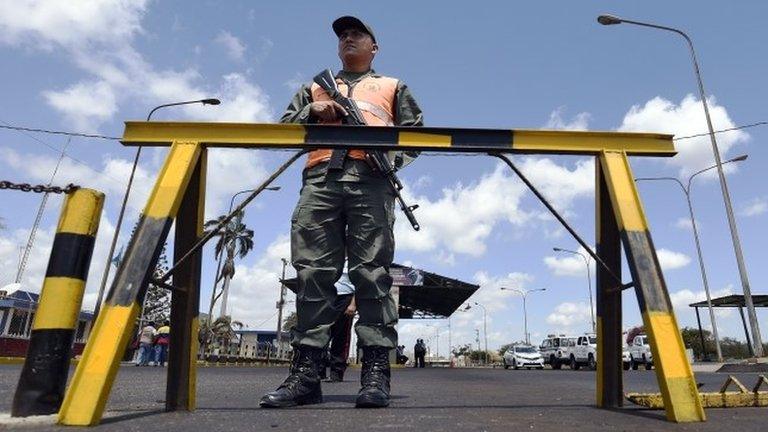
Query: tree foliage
290, 321
220, 332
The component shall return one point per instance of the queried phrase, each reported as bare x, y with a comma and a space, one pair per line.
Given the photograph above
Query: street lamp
524, 294
589, 282
687, 191
110, 256
757, 340
218, 259
485, 327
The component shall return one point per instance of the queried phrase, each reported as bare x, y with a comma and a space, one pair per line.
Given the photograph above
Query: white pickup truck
640, 353
556, 350
584, 353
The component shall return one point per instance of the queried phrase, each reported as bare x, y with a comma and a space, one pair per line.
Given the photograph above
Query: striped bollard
43, 379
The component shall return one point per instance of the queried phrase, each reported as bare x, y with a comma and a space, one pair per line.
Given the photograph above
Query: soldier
345, 210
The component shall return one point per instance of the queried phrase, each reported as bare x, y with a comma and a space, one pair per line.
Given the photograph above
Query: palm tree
234, 239
221, 331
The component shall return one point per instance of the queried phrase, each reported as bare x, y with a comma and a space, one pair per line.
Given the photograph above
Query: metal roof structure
423, 294
734, 301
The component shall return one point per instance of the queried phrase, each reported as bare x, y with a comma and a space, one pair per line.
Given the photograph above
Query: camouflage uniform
345, 212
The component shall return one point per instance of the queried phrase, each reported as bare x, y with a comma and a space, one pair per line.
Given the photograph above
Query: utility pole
280, 304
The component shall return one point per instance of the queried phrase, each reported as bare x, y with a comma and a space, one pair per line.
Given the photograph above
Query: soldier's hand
327, 110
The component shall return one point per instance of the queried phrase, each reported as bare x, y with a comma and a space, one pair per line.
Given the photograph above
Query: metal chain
26, 187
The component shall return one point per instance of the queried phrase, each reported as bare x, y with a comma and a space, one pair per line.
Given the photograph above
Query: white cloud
566, 264
683, 298
685, 224
234, 47
98, 38
570, 316
579, 122
670, 260
111, 178
44, 24
255, 288
755, 207
84, 104
38, 260
474, 210
684, 119
477, 208
235, 170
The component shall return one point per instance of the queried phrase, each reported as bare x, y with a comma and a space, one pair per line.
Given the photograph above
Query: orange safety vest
375, 96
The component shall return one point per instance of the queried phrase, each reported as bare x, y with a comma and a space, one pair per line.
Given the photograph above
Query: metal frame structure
179, 195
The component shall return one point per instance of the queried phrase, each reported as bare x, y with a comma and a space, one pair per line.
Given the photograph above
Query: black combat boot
302, 387
374, 378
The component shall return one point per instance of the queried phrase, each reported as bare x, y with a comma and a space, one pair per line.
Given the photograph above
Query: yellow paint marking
214, 134
600, 360
673, 372
172, 181
621, 186
81, 212
195, 329
669, 352
87, 395
424, 139
60, 301
590, 142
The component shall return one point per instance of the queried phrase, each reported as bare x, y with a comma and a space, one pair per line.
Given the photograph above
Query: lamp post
757, 340
589, 282
225, 294
524, 294
687, 192
110, 256
485, 327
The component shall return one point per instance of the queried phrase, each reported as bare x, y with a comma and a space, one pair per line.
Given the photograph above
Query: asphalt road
423, 400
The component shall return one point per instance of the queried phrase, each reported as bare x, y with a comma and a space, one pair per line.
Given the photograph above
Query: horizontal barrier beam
294, 136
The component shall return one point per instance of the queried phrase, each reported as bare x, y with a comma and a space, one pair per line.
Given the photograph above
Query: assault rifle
376, 158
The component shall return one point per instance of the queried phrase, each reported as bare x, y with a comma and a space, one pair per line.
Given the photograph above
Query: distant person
401, 357
146, 339
162, 341
341, 330
419, 351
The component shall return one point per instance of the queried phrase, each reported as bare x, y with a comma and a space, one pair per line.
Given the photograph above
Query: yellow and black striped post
673, 372
87, 395
44, 376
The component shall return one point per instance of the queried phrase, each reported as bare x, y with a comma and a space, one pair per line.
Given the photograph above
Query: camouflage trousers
341, 215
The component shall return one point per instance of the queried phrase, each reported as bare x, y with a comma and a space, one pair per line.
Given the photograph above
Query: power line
24, 130
722, 130
54, 132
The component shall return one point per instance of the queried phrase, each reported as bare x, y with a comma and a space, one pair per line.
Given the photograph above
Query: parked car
640, 353
556, 350
584, 353
526, 356
626, 359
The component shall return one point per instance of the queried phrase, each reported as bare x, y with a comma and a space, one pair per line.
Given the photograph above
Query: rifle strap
337, 159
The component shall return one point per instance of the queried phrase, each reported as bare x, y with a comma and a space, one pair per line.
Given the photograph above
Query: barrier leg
185, 302
673, 372
610, 386
44, 376
88, 393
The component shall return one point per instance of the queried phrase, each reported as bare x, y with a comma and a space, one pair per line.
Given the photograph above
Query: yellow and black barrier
743, 398
41, 386
179, 196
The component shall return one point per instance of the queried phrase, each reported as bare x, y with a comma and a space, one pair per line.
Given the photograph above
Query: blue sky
88, 67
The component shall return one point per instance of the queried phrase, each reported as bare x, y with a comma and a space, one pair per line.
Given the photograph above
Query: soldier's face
356, 46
